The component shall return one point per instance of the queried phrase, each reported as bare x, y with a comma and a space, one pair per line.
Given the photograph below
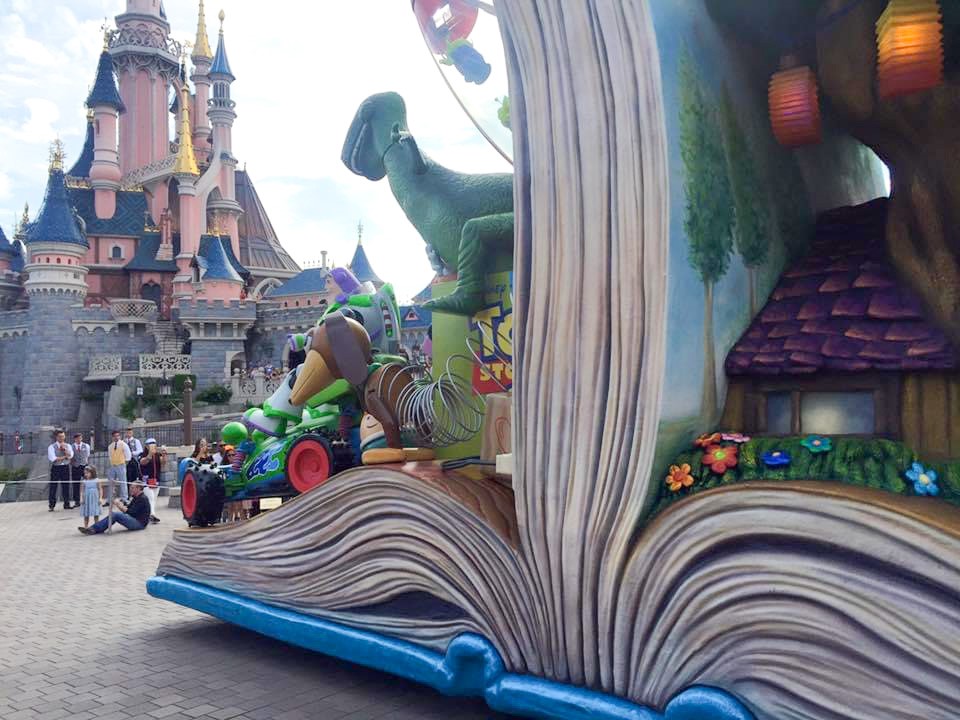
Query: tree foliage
709, 215
751, 223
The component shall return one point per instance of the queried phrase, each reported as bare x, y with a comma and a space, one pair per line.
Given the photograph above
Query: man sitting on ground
133, 515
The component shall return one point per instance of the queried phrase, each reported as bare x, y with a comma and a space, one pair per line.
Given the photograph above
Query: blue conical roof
56, 221
361, 268
105, 86
221, 66
5, 246
81, 168
214, 261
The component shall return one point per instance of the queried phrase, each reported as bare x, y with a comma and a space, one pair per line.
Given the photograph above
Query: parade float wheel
188, 496
202, 496
309, 463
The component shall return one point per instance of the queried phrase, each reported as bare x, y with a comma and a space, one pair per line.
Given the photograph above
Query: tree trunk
752, 290
918, 137
708, 409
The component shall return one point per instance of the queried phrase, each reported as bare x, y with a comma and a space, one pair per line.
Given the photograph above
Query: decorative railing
159, 365
253, 388
104, 367
145, 173
134, 311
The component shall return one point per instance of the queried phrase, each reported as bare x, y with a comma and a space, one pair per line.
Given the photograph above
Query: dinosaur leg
480, 240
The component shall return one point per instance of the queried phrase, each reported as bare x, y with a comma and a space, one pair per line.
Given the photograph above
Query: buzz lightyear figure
376, 310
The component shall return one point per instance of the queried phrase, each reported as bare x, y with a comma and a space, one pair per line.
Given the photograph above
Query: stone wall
268, 339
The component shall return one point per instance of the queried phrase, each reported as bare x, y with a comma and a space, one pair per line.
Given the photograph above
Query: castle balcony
104, 367
158, 365
134, 311
253, 388
148, 173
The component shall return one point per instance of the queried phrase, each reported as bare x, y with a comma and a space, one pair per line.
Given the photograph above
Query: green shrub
13, 475
865, 462
215, 395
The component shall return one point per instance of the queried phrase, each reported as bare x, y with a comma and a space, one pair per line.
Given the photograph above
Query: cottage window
116, 253
824, 413
837, 413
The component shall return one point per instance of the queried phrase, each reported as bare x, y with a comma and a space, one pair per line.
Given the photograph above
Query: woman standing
151, 466
201, 452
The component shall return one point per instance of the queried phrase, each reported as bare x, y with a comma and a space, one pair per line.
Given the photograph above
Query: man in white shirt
136, 450
119, 455
59, 454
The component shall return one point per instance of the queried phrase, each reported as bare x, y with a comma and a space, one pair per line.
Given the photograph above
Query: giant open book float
804, 564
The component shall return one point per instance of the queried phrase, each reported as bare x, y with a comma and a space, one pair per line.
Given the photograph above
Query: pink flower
736, 438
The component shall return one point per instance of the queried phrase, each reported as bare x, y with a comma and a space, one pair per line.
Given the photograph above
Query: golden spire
186, 163
201, 46
56, 155
106, 35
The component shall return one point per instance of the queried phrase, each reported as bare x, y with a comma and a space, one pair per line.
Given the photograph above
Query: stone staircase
165, 334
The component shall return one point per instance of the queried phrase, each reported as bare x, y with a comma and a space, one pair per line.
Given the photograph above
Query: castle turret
56, 283
202, 58
222, 114
55, 242
7, 253
81, 168
105, 103
186, 171
147, 61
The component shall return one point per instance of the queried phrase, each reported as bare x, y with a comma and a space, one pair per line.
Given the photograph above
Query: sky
302, 69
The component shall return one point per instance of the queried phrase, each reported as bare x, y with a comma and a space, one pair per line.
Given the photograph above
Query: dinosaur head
380, 122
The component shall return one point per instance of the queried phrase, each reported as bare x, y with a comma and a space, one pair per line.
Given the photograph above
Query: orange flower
721, 459
708, 439
679, 477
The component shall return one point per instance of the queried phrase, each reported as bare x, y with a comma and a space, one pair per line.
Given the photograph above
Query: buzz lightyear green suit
376, 310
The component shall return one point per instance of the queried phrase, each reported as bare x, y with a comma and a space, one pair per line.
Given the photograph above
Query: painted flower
679, 477
708, 439
720, 459
776, 458
924, 480
817, 443
735, 438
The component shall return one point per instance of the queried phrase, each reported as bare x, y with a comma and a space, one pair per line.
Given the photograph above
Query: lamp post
188, 412
139, 397
165, 389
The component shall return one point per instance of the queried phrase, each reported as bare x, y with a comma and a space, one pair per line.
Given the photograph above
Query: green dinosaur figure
465, 220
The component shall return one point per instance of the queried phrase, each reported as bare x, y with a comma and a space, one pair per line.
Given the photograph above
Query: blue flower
924, 480
776, 458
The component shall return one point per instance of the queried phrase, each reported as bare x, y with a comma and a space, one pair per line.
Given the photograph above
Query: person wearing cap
133, 515
151, 467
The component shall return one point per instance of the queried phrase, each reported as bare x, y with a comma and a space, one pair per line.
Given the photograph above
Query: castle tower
56, 246
105, 104
202, 58
147, 62
187, 173
222, 114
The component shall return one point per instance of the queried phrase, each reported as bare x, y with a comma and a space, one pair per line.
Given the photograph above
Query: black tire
210, 494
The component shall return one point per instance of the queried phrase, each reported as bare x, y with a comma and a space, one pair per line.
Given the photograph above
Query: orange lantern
794, 105
909, 47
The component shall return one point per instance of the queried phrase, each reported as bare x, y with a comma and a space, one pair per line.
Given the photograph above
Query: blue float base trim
471, 665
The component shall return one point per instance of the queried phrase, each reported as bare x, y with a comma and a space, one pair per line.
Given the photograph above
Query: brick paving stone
95, 646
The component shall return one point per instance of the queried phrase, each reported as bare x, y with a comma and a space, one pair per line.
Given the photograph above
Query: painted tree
751, 230
709, 215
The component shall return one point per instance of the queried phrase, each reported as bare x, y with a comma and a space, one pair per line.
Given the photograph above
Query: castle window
58, 261
297, 303
96, 125
48, 260
286, 304
116, 253
308, 302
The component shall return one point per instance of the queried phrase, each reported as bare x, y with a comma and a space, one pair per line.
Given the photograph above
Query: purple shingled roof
842, 308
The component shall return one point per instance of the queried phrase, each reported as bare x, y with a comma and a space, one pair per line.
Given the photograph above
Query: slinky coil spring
435, 412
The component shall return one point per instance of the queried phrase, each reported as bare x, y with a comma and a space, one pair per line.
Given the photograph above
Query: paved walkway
81, 639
